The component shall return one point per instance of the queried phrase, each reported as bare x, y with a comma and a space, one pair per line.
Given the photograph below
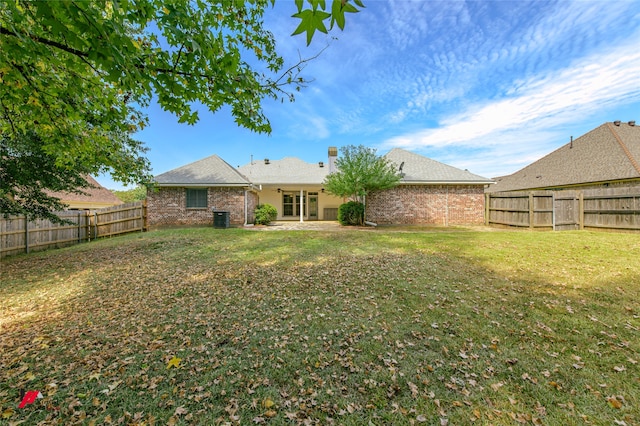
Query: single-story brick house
607, 156
430, 192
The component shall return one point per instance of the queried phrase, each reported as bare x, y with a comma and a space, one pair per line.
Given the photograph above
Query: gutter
444, 182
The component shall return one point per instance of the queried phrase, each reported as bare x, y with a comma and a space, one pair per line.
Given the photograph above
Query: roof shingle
607, 153
210, 171
418, 169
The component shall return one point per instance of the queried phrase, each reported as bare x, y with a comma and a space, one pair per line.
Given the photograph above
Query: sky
488, 86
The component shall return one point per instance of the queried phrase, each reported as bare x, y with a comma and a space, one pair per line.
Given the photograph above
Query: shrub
264, 214
351, 213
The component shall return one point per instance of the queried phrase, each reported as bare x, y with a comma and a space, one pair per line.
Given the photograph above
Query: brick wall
427, 205
167, 207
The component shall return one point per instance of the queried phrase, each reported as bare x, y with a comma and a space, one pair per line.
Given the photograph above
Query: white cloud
540, 102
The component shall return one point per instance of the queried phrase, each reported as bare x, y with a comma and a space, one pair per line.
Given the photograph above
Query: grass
392, 326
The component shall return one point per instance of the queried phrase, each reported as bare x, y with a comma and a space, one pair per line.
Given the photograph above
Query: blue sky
488, 86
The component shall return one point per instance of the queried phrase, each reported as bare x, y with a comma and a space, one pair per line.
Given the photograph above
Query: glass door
313, 206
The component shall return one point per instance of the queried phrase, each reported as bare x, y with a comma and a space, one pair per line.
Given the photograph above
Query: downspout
446, 213
364, 206
246, 207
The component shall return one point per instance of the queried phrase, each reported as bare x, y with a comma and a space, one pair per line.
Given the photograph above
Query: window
196, 198
291, 204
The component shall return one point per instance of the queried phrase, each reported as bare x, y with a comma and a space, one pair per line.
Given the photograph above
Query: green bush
264, 214
351, 213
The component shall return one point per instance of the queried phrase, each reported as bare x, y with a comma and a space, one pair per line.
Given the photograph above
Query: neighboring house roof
95, 197
289, 170
210, 171
418, 169
610, 152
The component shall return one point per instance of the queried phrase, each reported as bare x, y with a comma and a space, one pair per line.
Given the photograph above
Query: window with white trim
291, 203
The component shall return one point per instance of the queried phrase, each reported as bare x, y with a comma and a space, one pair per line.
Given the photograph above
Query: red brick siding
253, 200
167, 206
427, 205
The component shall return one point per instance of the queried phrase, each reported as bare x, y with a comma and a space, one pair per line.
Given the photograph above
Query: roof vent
320, 163
632, 123
617, 122
266, 161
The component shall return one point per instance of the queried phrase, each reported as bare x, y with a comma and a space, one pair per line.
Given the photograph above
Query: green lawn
424, 326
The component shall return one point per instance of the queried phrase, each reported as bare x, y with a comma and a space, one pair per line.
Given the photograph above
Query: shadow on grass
346, 327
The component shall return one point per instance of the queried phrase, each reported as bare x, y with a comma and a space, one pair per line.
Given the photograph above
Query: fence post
26, 234
531, 210
87, 224
487, 210
95, 225
580, 210
144, 215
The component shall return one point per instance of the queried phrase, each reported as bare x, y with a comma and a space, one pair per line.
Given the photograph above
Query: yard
432, 326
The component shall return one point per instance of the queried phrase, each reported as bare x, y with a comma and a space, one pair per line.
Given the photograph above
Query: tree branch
46, 42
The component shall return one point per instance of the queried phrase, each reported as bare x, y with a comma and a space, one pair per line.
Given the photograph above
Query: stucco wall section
427, 205
167, 207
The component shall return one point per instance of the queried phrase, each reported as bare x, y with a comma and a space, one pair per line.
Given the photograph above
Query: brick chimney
333, 155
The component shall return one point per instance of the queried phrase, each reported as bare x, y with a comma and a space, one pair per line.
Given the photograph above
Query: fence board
599, 208
17, 235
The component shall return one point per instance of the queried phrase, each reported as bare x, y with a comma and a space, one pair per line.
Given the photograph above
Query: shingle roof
607, 153
210, 171
98, 194
213, 171
289, 170
418, 169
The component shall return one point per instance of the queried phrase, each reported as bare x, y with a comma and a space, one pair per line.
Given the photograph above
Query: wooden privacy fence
602, 208
19, 235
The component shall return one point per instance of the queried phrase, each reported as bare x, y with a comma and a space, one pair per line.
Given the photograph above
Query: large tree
75, 77
360, 171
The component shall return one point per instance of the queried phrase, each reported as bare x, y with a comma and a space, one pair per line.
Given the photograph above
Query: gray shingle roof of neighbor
289, 170
607, 153
418, 169
210, 171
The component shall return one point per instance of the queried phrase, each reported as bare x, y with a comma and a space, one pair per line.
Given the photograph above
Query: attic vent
632, 123
320, 164
617, 122
266, 161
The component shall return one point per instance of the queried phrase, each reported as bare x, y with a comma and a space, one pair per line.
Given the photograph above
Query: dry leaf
268, 403
614, 402
174, 362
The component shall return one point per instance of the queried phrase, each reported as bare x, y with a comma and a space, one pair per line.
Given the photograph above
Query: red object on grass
29, 398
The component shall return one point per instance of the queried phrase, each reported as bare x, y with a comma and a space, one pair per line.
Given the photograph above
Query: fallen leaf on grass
174, 362
614, 402
268, 403
180, 411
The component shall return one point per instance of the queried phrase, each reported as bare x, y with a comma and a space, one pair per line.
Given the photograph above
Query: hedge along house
429, 193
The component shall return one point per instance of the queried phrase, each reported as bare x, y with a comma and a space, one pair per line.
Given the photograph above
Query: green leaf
310, 22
